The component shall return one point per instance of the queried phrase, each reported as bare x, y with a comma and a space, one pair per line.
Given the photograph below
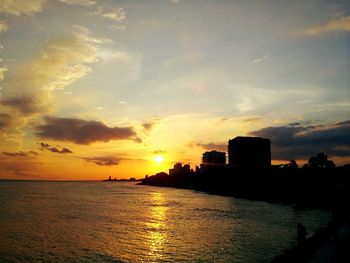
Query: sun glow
159, 159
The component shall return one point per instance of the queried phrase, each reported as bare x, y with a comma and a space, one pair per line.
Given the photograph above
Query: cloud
159, 152
18, 164
20, 154
17, 8
252, 119
338, 24
116, 14
61, 61
79, 2
3, 27
5, 121
46, 146
25, 105
82, 131
257, 60
210, 146
103, 160
148, 126
2, 71
294, 141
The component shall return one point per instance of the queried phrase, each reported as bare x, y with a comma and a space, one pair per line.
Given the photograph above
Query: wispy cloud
210, 146
46, 146
103, 160
252, 119
19, 167
79, 2
159, 152
116, 14
83, 131
3, 69
20, 154
17, 8
338, 24
60, 62
257, 60
3, 27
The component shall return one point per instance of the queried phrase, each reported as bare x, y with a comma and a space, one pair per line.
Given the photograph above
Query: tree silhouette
293, 165
320, 161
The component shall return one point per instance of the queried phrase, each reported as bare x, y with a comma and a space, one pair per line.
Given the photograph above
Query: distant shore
313, 188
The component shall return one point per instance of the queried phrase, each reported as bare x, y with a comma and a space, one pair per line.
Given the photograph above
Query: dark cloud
103, 160
149, 125
20, 154
5, 121
159, 152
82, 131
25, 105
46, 146
210, 146
294, 141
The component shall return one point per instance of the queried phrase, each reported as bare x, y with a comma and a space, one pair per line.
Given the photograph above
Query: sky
98, 88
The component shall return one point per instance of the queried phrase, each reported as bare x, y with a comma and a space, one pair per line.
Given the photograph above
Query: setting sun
158, 158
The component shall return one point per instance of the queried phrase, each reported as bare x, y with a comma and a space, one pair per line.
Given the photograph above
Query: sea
43, 221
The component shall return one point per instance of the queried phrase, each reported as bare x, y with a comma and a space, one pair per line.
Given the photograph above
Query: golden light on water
156, 227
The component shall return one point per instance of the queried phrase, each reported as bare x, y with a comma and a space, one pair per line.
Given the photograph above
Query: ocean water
123, 222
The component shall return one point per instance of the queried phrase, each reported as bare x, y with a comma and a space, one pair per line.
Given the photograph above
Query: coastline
325, 190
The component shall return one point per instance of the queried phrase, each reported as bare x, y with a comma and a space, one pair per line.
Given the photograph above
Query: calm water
122, 222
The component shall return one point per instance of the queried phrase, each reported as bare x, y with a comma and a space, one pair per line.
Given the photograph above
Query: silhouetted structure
249, 152
213, 160
180, 170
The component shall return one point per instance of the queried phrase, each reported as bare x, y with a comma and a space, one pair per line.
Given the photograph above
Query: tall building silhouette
249, 152
213, 160
180, 170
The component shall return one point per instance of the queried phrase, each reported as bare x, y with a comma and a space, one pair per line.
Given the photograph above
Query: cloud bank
82, 131
295, 141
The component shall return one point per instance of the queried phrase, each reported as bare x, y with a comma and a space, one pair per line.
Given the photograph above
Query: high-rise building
213, 159
249, 152
180, 170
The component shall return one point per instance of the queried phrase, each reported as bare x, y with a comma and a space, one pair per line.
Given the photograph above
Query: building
249, 152
213, 160
180, 170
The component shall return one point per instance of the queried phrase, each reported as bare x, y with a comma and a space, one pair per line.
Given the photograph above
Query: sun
159, 159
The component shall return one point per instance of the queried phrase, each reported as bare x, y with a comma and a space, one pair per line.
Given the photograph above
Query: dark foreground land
306, 188
314, 188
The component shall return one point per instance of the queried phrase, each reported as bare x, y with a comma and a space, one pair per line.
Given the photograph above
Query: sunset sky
98, 88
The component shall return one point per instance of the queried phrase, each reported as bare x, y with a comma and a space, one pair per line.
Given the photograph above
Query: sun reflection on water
156, 226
